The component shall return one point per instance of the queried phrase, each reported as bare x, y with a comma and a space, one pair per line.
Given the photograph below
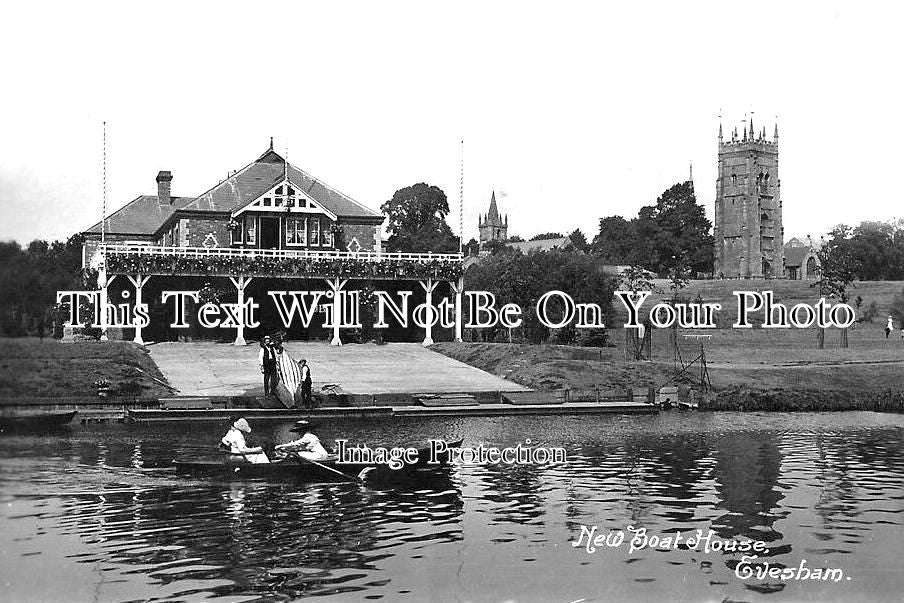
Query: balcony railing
308, 254
126, 258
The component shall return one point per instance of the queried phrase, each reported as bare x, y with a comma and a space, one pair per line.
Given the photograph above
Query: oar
359, 478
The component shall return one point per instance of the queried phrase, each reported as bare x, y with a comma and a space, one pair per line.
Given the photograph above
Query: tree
30, 278
522, 279
897, 308
417, 220
616, 241
579, 241
547, 235
837, 272
635, 279
674, 231
878, 250
497, 246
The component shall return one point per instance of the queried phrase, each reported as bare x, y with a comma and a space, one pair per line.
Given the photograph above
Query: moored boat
36, 421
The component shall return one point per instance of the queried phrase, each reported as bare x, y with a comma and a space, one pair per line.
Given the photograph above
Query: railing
234, 252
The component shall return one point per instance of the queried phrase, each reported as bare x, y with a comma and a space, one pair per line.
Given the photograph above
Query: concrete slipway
215, 380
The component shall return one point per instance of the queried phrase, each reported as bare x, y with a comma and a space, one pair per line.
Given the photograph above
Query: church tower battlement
748, 228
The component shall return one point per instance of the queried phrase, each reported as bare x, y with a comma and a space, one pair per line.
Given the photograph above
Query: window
250, 231
315, 231
235, 233
296, 231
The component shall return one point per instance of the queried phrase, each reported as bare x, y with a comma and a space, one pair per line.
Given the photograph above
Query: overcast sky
570, 111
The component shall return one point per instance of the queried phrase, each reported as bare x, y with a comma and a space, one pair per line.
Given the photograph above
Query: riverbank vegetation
748, 370
32, 368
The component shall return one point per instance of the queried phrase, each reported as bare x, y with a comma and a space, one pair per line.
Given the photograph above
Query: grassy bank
30, 368
787, 292
749, 370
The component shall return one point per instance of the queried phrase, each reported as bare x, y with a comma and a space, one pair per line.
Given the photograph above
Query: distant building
801, 261
748, 228
493, 227
541, 244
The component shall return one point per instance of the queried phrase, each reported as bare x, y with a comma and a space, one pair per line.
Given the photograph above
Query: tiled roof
329, 198
796, 255
142, 216
145, 215
267, 171
540, 244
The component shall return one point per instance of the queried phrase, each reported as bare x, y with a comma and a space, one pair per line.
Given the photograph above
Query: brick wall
365, 234
196, 232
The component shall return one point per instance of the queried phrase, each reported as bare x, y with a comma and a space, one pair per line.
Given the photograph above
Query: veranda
138, 263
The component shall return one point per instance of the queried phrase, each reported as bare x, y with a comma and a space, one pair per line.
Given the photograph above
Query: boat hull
330, 470
36, 421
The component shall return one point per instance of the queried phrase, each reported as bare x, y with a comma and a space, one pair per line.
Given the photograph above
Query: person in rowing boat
308, 446
234, 442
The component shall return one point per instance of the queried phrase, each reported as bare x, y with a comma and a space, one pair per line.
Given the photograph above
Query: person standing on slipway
889, 326
266, 360
305, 384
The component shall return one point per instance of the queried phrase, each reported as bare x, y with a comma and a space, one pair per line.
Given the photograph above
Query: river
83, 518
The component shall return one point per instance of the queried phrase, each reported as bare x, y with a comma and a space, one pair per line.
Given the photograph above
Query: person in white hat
234, 441
889, 326
307, 446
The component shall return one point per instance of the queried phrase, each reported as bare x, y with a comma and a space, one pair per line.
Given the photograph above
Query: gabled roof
142, 216
541, 244
796, 255
145, 215
264, 173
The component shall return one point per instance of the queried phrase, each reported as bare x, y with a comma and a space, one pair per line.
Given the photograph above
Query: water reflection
828, 488
747, 471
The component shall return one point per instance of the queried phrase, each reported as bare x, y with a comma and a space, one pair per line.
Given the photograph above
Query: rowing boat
289, 379
328, 470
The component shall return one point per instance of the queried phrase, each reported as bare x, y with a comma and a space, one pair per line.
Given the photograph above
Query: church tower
492, 226
748, 228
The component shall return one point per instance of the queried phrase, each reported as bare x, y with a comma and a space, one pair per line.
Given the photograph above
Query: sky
569, 111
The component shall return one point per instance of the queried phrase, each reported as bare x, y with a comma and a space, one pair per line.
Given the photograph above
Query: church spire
775, 137
493, 214
720, 131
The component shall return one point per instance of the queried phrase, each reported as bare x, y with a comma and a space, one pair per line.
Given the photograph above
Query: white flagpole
461, 201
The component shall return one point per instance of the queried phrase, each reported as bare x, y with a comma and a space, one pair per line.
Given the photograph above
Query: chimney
163, 187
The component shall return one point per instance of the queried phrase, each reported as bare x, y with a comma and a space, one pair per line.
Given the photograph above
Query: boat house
269, 225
